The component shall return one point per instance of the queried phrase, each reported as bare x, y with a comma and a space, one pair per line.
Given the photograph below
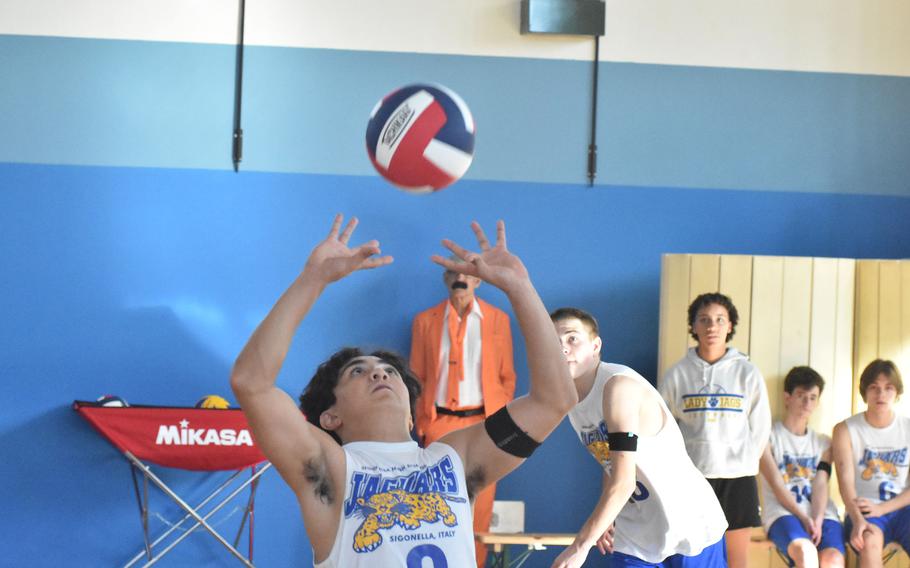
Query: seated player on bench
798, 516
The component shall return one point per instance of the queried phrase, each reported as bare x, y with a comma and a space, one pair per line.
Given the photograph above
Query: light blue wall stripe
71, 101
125, 103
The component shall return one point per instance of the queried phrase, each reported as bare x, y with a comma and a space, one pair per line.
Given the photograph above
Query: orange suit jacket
497, 367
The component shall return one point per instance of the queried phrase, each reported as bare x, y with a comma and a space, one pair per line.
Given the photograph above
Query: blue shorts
714, 556
895, 526
786, 529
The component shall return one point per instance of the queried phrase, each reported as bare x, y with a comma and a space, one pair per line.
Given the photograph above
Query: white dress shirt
470, 391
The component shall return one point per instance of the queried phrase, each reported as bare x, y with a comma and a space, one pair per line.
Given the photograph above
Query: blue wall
141, 267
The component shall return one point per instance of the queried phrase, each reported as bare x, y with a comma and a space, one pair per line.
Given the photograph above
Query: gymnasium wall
135, 262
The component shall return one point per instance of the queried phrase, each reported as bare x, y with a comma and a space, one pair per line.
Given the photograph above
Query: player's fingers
501, 233
348, 230
454, 266
336, 224
457, 249
473, 258
377, 261
482, 241
366, 249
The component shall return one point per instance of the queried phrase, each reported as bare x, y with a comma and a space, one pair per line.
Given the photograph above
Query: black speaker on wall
569, 17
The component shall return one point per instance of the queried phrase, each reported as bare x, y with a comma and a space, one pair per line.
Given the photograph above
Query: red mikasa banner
200, 439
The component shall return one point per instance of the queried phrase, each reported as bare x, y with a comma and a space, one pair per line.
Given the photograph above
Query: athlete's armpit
315, 472
476, 480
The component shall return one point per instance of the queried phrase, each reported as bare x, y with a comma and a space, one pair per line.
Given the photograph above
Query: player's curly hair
705, 300
319, 394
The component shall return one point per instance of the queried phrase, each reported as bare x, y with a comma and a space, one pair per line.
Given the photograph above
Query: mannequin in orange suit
459, 391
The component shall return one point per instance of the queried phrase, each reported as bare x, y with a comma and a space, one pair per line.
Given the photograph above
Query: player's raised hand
333, 259
493, 264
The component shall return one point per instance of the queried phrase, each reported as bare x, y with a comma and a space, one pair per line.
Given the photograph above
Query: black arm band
622, 441
507, 436
824, 466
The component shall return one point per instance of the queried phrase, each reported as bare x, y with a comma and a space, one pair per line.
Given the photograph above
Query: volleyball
111, 400
212, 401
421, 137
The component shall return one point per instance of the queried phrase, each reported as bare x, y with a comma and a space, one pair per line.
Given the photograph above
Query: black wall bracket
571, 17
237, 139
566, 17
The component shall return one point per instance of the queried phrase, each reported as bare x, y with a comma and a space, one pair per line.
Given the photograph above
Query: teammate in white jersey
379, 500
665, 512
798, 516
870, 453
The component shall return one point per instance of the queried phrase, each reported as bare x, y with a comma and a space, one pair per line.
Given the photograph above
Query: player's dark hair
805, 377
319, 394
880, 367
565, 313
705, 300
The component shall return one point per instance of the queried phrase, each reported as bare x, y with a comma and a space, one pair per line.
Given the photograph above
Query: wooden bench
763, 554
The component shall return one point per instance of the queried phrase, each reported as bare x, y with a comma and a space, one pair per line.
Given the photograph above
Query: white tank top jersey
673, 509
880, 463
797, 460
403, 505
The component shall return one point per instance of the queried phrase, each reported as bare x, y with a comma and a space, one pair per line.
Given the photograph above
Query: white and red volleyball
421, 137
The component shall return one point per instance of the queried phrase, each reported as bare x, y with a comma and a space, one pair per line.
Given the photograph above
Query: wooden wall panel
903, 358
823, 336
865, 321
674, 300
736, 282
889, 310
890, 313
765, 340
882, 320
795, 323
839, 394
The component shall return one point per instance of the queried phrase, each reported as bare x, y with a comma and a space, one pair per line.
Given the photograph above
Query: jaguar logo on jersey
797, 467
186, 436
717, 401
407, 501
882, 462
406, 510
595, 439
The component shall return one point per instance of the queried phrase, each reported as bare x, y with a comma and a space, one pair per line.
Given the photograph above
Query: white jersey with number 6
880, 463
